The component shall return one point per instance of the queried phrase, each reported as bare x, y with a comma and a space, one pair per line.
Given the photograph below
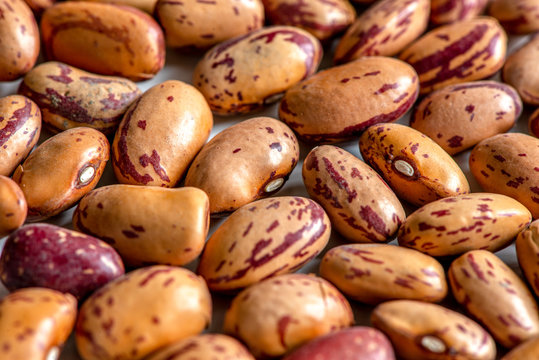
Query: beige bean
527, 248
518, 71
13, 207
516, 16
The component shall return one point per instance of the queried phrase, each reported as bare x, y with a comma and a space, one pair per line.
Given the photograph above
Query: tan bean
516, 16
147, 224
458, 224
373, 273
243, 163
53, 179
13, 207
359, 203
527, 248
492, 293
507, 164
144, 5
142, 311
365, 92
423, 331
449, 11
460, 52
459, 116
517, 72
416, 168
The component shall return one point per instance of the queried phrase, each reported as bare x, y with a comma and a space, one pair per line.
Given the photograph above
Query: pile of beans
304, 179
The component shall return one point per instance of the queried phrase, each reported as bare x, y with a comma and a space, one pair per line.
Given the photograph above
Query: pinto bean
449, 11
516, 71
13, 207
516, 16
527, 248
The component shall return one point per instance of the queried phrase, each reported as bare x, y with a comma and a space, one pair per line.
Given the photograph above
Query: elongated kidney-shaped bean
13, 207
527, 247
518, 71
516, 16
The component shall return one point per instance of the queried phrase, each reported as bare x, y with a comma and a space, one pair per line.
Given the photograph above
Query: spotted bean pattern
518, 71
449, 11
383, 29
459, 52
491, 292
527, 248
516, 16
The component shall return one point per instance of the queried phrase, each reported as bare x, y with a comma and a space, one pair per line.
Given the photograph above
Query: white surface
180, 67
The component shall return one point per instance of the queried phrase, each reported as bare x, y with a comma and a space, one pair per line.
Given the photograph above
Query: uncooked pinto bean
69, 97
160, 135
54, 179
35, 323
104, 38
147, 224
142, 311
20, 127
516, 16
20, 39
383, 29
373, 273
423, 331
253, 70
458, 224
491, 292
507, 164
323, 19
459, 116
364, 92
518, 71
460, 52
244, 162
449, 11
416, 168
263, 239
13, 207
359, 203
527, 248
195, 24
279, 314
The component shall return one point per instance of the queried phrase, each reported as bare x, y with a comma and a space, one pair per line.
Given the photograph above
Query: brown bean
516, 16
243, 163
383, 29
527, 248
460, 52
113, 40
458, 224
276, 315
365, 92
147, 224
359, 203
449, 11
247, 72
20, 127
507, 164
13, 207
69, 97
35, 323
518, 71
423, 331
459, 116
160, 135
192, 24
416, 168
53, 179
263, 239
491, 292
142, 311
373, 273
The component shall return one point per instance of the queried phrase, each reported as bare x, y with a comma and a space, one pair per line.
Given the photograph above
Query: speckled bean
13, 207
147, 224
364, 92
527, 350
527, 248
449, 11
518, 71
516, 16
142, 311
104, 38
266, 238
423, 331
20, 39
321, 18
279, 314
195, 24
45, 255
243, 163
459, 116
507, 164
206, 346
491, 292
20, 127
69, 97
35, 323
416, 168
54, 179
383, 29
160, 135
372, 273
458, 224
359, 203
459, 52
247, 72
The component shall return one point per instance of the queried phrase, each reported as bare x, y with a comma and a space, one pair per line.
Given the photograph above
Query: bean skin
527, 248
13, 207
516, 16
449, 11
